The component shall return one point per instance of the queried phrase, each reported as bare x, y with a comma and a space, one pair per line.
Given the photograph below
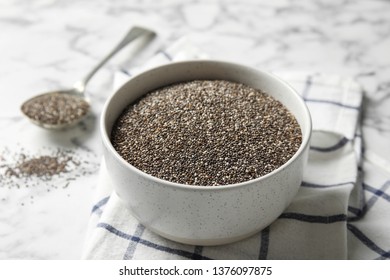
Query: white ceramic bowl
204, 215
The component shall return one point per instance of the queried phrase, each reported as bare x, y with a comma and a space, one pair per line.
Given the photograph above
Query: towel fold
326, 220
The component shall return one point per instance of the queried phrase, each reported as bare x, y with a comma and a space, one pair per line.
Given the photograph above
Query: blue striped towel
337, 213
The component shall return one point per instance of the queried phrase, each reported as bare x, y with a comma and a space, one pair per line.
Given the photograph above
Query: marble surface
46, 44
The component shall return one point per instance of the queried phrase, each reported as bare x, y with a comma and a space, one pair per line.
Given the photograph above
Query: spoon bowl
57, 109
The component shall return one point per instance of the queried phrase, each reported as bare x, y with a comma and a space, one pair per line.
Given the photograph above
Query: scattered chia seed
55, 108
40, 166
206, 133
47, 167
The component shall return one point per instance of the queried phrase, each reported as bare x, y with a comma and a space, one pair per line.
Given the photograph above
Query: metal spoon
65, 108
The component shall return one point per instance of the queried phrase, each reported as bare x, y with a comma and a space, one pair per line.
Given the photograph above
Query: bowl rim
305, 136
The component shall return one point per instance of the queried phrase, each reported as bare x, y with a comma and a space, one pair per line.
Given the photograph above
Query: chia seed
206, 133
55, 108
45, 167
40, 166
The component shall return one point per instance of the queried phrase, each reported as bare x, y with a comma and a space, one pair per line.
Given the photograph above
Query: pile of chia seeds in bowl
206, 133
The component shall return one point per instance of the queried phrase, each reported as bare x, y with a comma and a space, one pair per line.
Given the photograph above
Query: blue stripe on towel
359, 213
369, 204
182, 253
129, 254
197, 253
314, 218
336, 146
382, 257
126, 72
99, 204
379, 192
323, 186
167, 55
264, 243
368, 242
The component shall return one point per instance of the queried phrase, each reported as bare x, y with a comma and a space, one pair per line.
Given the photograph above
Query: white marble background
46, 44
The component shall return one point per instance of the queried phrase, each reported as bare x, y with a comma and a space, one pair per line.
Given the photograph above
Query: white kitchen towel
334, 215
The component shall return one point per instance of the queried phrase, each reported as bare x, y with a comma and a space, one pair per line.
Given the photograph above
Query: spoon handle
133, 34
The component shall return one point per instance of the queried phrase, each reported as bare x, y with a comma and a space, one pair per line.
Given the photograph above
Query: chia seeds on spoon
55, 108
206, 133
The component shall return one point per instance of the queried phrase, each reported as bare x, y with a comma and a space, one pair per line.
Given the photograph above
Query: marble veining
48, 44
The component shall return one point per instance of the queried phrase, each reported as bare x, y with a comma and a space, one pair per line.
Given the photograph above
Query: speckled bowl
204, 215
